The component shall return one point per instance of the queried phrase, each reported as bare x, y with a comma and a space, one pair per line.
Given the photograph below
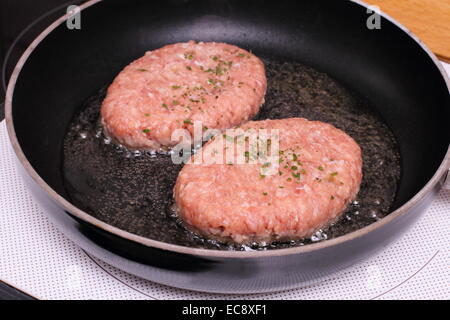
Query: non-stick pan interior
384, 66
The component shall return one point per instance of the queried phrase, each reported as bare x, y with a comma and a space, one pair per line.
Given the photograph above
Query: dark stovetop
10, 293
20, 22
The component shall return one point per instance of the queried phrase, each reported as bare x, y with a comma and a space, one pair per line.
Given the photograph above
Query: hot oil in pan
133, 190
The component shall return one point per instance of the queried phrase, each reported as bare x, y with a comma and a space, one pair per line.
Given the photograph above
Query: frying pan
389, 67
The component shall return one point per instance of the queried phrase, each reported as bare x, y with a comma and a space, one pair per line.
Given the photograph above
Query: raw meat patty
319, 174
170, 88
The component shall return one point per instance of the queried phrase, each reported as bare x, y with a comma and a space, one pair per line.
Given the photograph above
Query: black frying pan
388, 67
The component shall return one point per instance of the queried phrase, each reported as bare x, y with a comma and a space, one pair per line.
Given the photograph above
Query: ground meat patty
170, 88
319, 174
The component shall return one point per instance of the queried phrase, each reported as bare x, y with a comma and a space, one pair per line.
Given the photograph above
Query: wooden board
428, 19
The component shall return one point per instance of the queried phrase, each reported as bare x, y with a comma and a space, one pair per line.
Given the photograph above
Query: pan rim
208, 253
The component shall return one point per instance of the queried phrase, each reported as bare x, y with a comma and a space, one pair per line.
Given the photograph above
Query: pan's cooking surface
133, 191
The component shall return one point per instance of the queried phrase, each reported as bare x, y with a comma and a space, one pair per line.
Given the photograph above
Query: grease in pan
133, 190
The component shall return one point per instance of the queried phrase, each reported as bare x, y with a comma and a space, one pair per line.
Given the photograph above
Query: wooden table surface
428, 19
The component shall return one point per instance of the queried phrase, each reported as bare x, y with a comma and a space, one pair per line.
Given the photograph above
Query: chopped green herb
219, 71
241, 55
175, 102
165, 106
334, 174
321, 168
142, 70
262, 176
189, 55
296, 175
188, 121
176, 87
229, 138
146, 131
147, 114
294, 168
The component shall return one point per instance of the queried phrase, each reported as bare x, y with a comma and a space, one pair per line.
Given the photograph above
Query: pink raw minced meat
170, 88
319, 174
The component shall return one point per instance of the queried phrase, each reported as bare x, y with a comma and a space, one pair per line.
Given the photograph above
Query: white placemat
36, 258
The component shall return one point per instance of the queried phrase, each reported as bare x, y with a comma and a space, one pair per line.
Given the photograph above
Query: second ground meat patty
170, 88
319, 174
